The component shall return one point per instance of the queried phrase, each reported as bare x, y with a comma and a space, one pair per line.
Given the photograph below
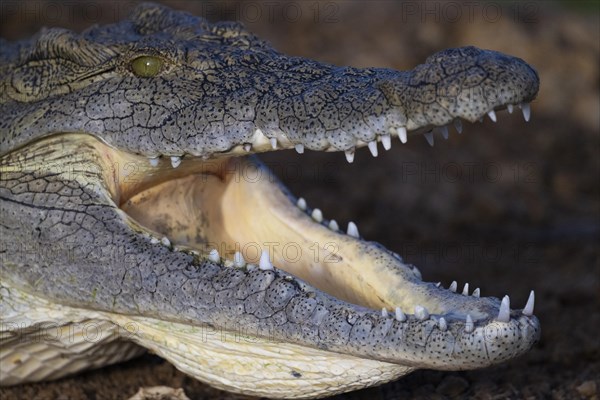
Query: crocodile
137, 216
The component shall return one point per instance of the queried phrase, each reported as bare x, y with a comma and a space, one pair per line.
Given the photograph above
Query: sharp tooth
333, 225
504, 313
352, 229
526, 108
469, 325
402, 134
384, 313
301, 203
429, 137
299, 148
238, 260
165, 240
421, 313
528, 310
175, 161
453, 286
400, 316
214, 256
386, 141
373, 147
273, 143
509, 107
317, 215
476, 292
247, 147
458, 125
442, 324
438, 284
465, 291
153, 161
349, 155
154, 241
444, 132
265, 262
492, 115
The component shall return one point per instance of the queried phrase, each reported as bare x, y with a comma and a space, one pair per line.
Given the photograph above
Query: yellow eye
146, 66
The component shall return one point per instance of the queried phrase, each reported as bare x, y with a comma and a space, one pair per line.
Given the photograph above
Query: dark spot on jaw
296, 374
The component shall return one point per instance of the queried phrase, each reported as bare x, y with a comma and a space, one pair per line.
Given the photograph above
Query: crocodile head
131, 139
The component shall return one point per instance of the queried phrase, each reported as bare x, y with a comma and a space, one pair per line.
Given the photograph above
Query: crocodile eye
146, 66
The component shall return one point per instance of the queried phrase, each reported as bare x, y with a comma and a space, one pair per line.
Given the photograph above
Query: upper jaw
339, 109
253, 99
222, 91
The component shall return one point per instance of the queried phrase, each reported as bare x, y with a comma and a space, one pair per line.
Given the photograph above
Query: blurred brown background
507, 207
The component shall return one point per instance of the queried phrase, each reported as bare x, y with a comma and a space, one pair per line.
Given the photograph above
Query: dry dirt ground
508, 207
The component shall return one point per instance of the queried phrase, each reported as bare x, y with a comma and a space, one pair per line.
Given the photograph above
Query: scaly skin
76, 244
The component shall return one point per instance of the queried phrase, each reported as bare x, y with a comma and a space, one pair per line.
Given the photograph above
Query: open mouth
232, 211
273, 258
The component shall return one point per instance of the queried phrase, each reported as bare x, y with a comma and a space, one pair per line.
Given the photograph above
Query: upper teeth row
386, 140
403, 134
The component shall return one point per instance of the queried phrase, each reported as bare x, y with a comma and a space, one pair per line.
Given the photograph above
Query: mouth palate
232, 211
